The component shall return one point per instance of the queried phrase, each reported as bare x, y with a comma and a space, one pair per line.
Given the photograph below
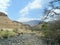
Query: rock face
6, 23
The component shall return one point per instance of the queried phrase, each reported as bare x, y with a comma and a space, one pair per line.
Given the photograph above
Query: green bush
15, 30
6, 34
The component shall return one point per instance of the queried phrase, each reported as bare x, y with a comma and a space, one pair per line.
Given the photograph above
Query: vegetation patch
6, 34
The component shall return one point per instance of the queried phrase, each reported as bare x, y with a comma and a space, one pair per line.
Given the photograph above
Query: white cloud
27, 19
57, 11
4, 4
32, 5
36, 4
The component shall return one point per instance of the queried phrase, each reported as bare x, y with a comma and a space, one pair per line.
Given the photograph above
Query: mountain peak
2, 14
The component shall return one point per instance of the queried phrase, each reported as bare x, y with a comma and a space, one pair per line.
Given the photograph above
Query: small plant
6, 34
15, 30
1, 29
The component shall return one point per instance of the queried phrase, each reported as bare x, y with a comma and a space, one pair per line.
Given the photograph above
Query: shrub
15, 30
6, 34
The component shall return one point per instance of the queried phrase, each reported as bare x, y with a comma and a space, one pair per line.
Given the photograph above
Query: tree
52, 31
53, 9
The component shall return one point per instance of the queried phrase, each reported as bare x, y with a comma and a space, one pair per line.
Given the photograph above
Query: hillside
6, 23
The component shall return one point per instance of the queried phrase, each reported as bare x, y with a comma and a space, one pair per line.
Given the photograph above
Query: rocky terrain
24, 36
23, 39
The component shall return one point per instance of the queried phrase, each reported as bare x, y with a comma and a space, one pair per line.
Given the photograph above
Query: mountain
32, 22
6, 23
47, 25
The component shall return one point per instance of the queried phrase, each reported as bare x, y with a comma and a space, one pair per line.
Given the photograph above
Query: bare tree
54, 9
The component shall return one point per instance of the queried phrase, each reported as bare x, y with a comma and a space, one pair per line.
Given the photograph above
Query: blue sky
24, 10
